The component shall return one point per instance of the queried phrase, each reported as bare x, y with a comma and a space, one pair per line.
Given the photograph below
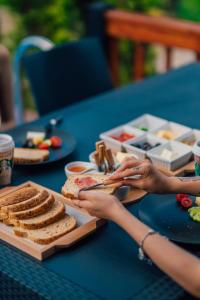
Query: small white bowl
86, 165
115, 145
184, 154
140, 153
191, 138
179, 131
147, 121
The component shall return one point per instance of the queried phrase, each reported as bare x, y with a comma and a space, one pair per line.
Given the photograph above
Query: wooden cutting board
86, 224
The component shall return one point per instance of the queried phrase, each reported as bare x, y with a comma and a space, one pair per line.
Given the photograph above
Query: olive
29, 144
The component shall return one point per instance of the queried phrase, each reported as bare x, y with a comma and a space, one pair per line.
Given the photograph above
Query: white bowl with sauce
80, 167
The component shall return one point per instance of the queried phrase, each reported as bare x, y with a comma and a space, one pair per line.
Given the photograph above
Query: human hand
151, 180
99, 204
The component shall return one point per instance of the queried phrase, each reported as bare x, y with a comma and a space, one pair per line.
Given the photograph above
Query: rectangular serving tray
86, 225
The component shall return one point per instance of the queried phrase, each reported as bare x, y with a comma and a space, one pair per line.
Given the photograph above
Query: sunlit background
62, 21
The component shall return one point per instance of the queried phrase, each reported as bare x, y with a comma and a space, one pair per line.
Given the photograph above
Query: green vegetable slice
194, 213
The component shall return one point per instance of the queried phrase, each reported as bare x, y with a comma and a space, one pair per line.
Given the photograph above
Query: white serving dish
191, 138
87, 165
179, 131
148, 121
114, 144
184, 155
140, 153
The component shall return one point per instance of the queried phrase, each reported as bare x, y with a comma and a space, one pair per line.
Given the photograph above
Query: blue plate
68, 145
165, 215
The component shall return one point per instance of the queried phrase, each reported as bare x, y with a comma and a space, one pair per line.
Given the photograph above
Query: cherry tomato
56, 142
186, 202
180, 196
43, 146
123, 137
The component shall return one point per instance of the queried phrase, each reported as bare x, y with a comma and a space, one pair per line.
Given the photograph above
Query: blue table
105, 265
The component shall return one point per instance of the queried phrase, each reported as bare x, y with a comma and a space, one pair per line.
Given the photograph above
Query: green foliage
188, 9
139, 5
60, 21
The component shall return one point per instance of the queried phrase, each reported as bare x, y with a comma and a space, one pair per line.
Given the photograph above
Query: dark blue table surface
105, 265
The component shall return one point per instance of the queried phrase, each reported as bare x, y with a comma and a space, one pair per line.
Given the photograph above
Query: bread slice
54, 214
71, 189
18, 196
30, 156
49, 233
33, 212
27, 204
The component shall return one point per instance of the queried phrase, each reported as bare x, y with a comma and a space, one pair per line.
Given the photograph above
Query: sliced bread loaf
27, 204
33, 212
76, 182
18, 196
30, 156
52, 215
49, 233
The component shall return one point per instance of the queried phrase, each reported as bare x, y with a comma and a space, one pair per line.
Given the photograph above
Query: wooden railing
144, 30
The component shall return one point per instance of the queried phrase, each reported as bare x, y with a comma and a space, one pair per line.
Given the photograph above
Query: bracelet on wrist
141, 253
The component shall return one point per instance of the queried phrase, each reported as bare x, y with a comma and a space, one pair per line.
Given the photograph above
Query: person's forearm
188, 185
167, 256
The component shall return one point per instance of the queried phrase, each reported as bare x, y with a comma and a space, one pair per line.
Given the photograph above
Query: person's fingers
126, 160
76, 202
82, 203
140, 170
83, 195
137, 183
126, 165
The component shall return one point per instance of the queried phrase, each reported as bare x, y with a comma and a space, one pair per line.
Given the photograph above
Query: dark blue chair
67, 74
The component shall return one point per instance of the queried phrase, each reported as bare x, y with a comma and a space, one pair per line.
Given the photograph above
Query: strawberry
186, 202
56, 142
43, 146
180, 196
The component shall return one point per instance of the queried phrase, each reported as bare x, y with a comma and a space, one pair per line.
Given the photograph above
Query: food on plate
168, 154
43, 146
55, 213
16, 197
35, 134
184, 200
56, 142
179, 197
194, 213
39, 140
29, 156
197, 202
48, 233
30, 209
120, 156
146, 146
124, 136
165, 134
76, 182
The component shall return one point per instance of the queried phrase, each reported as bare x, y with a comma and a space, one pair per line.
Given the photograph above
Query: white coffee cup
6, 159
